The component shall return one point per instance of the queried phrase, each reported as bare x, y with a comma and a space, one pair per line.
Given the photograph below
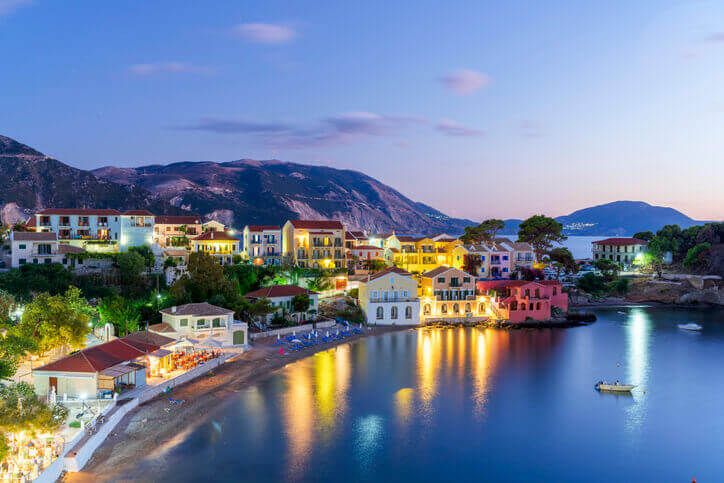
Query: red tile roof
31, 223
388, 271
278, 291
620, 241
317, 224
354, 235
79, 211
366, 247
178, 220
216, 235
138, 213
496, 284
263, 227
34, 236
102, 356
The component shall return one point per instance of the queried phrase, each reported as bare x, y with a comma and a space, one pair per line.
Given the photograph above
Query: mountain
30, 180
255, 192
620, 218
235, 192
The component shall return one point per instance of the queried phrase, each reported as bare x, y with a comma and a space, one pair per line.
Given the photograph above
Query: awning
160, 353
121, 369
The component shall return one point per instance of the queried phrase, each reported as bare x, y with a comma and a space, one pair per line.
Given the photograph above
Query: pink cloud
167, 68
265, 33
465, 81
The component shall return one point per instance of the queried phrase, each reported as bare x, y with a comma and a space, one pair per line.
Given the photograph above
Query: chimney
173, 309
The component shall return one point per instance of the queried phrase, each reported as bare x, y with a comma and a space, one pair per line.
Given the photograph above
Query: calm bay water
580, 246
477, 405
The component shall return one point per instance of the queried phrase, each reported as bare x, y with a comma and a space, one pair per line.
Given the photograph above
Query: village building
355, 238
219, 244
521, 300
35, 248
363, 256
212, 225
202, 320
314, 243
621, 250
99, 371
420, 254
282, 297
263, 244
176, 231
449, 293
390, 297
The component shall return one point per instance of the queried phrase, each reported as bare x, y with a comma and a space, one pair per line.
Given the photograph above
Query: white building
281, 297
202, 320
390, 297
263, 244
27, 247
621, 250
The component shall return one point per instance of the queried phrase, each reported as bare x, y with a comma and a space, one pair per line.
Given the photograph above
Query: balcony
393, 300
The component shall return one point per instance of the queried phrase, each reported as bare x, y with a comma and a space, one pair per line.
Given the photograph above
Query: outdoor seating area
296, 342
187, 360
28, 456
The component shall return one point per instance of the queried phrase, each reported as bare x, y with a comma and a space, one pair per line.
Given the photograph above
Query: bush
354, 293
74, 424
619, 286
592, 283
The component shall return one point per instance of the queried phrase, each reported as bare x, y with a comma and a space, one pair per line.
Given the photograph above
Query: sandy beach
153, 427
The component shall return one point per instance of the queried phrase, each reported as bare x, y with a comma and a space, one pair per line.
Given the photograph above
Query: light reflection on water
477, 399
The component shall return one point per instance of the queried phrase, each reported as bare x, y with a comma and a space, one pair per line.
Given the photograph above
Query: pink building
520, 300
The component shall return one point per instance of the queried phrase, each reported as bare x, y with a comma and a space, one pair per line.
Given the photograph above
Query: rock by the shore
679, 290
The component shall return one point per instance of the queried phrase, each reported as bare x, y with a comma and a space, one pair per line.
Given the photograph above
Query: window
201, 323
456, 309
392, 279
440, 279
408, 312
375, 294
522, 306
443, 309
22, 246
466, 279
216, 322
393, 312
505, 257
468, 308
22, 261
481, 308
505, 269
380, 313
184, 323
47, 261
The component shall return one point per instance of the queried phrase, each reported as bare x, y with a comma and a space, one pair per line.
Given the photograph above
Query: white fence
323, 324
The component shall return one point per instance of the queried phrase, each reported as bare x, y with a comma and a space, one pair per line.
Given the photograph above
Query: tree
56, 322
484, 232
563, 260
121, 313
644, 235
608, 268
319, 282
300, 303
24, 282
7, 306
592, 283
145, 252
130, 265
541, 232
13, 347
697, 257
22, 410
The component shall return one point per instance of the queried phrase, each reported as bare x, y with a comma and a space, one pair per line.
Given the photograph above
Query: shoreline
152, 428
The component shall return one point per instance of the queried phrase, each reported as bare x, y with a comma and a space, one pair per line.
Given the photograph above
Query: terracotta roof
79, 211
317, 224
278, 291
495, 284
138, 213
354, 235
32, 222
63, 248
148, 338
620, 241
178, 220
102, 356
366, 247
202, 308
263, 227
34, 236
216, 235
410, 239
388, 271
162, 328
436, 271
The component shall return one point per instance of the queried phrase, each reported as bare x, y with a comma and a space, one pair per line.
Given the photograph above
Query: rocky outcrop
679, 289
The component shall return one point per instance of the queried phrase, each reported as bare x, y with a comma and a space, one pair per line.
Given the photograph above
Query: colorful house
420, 254
497, 259
314, 243
219, 244
521, 300
448, 292
390, 297
202, 320
263, 244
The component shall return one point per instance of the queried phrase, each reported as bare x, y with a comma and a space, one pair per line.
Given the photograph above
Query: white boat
690, 326
613, 387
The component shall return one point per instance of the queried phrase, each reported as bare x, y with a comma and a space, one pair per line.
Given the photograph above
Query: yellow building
421, 254
314, 243
175, 231
390, 297
449, 293
219, 244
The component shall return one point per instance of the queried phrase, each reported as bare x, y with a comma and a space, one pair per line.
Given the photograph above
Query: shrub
592, 283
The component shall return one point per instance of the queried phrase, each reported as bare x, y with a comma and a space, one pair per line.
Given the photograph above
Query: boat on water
690, 326
613, 386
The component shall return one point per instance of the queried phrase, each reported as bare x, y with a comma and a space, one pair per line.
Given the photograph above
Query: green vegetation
563, 261
300, 303
484, 232
541, 232
123, 314
690, 249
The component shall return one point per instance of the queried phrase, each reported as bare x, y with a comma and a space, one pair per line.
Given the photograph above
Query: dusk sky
477, 108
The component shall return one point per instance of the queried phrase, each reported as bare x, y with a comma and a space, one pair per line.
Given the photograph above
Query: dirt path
153, 426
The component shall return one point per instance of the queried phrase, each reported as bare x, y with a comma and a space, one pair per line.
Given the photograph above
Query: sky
480, 109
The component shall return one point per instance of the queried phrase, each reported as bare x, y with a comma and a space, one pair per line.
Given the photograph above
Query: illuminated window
380, 313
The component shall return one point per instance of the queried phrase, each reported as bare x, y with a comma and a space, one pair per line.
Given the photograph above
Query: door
238, 337
53, 385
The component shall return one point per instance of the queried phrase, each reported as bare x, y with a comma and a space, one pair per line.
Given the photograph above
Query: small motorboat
613, 387
690, 326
